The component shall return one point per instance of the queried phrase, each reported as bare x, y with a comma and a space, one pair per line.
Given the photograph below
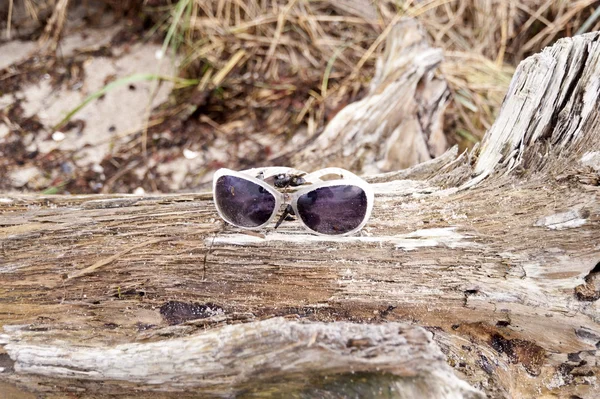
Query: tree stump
477, 275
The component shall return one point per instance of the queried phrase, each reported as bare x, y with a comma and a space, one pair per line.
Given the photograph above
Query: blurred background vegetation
286, 66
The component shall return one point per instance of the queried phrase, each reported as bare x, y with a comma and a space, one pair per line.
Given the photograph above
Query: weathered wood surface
399, 122
496, 253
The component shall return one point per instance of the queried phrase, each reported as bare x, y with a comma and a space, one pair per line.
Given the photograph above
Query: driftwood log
478, 274
399, 123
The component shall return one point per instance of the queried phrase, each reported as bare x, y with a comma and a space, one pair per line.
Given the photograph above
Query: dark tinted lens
242, 202
334, 209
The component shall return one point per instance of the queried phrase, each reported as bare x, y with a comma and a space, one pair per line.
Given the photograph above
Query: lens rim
354, 181
228, 172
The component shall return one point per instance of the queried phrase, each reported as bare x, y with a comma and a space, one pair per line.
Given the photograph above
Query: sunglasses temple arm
272, 171
313, 177
343, 173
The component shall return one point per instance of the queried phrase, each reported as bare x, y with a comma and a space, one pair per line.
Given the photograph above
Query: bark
489, 260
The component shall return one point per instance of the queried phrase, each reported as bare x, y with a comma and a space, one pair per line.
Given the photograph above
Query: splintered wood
478, 274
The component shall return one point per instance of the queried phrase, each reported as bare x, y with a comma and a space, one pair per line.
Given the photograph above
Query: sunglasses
250, 200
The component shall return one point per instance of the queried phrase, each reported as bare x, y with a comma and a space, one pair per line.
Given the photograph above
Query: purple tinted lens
242, 202
333, 209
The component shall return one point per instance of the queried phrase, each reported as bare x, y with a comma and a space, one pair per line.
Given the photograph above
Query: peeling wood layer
218, 361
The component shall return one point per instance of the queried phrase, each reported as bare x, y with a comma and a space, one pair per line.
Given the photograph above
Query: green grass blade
121, 82
329, 67
465, 134
179, 10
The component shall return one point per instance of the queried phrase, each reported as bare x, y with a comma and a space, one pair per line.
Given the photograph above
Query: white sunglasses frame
314, 179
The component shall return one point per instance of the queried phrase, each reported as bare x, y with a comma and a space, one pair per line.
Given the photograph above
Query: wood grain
493, 256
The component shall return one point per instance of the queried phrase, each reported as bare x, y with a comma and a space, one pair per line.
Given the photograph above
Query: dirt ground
104, 147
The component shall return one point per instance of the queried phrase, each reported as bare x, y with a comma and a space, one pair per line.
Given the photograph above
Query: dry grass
281, 66
485, 40
289, 65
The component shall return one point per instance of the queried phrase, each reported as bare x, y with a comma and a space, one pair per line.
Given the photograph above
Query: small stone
58, 136
4, 131
67, 168
189, 154
21, 177
96, 186
97, 168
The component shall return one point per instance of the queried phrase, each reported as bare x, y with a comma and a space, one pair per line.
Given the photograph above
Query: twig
588, 22
9, 20
280, 23
218, 78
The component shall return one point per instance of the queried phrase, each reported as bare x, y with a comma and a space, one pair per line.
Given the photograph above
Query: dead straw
288, 66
